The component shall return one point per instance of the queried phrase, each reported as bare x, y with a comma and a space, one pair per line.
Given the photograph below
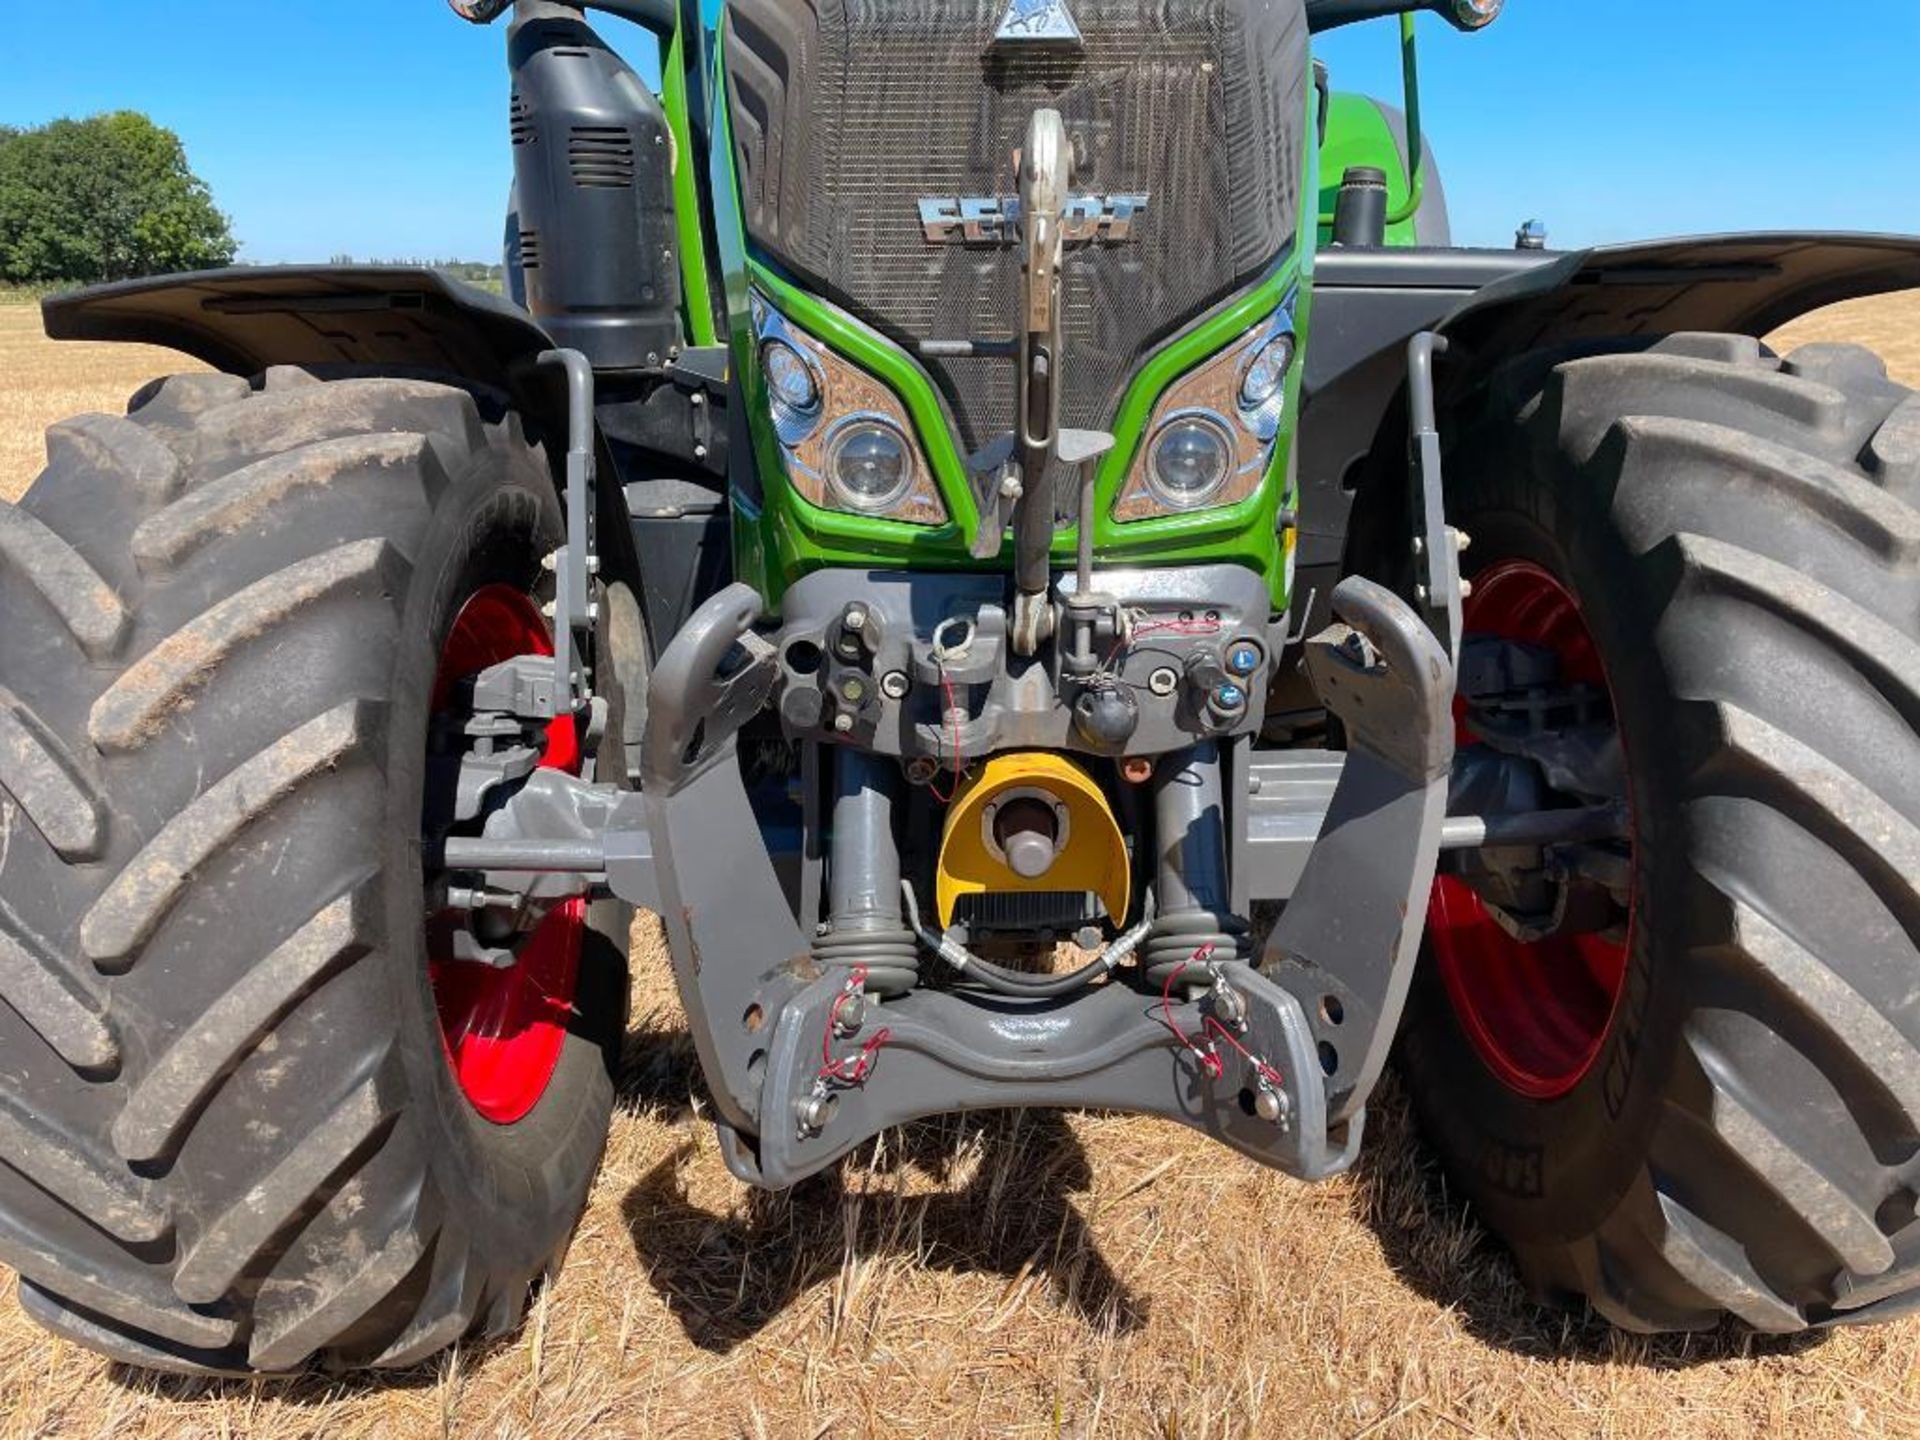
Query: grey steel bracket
686, 846
578, 561
714, 677
523, 687
1108, 1048
1436, 548
995, 479
1347, 941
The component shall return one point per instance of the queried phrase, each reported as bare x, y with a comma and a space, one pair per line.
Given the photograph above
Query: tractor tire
231, 1139
1742, 537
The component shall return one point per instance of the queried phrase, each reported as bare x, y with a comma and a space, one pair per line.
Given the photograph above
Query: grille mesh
848, 112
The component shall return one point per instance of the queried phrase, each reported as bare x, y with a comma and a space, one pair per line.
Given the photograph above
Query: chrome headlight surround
1226, 392
847, 397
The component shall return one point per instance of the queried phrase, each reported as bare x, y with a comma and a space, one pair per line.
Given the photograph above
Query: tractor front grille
846, 113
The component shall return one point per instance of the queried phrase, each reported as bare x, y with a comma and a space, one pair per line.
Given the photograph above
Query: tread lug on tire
1741, 535
230, 1141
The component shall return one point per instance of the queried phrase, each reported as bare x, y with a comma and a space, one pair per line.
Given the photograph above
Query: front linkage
805, 1060
812, 1043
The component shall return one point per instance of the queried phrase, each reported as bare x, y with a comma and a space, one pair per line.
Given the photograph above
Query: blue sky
376, 127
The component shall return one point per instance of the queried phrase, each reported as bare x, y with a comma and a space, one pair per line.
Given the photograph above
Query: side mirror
1324, 15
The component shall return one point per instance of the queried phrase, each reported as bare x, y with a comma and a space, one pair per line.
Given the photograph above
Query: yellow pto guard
1033, 822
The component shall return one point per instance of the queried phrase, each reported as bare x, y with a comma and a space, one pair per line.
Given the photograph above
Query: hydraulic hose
1015, 983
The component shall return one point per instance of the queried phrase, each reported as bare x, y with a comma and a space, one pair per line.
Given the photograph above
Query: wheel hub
1537, 1003
503, 1025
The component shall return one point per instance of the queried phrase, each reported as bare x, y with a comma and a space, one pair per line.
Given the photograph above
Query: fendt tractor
1011, 528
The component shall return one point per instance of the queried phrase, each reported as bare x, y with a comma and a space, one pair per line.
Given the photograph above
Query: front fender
1739, 284
245, 319
390, 319
1493, 305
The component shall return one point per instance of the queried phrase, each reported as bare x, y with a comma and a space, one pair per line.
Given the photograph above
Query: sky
376, 128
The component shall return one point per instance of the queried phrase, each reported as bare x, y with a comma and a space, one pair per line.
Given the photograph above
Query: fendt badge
995, 220
1038, 22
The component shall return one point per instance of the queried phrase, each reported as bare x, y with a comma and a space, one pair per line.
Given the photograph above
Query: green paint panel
779, 536
1358, 134
695, 289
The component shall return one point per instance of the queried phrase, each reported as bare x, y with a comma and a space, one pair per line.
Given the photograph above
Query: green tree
107, 198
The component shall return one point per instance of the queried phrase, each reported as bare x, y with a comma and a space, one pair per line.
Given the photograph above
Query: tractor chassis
803, 1067
805, 1061
1276, 1061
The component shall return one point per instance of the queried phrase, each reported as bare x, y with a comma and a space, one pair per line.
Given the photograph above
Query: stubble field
1032, 1276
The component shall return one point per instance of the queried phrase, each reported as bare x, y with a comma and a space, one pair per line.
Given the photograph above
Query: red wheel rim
503, 1030
1537, 1014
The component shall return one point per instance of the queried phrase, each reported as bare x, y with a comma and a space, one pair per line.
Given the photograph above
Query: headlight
793, 390
846, 438
869, 464
1190, 459
1211, 439
1266, 377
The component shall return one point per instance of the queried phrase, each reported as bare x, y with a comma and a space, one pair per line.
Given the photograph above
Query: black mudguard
247, 319
386, 319
1493, 304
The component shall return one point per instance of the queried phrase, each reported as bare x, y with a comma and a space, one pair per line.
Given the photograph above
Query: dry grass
1031, 1276
41, 382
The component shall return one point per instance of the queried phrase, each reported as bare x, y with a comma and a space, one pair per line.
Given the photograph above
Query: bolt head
1243, 659
895, 685
1270, 1105
1163, 682
1230, 697
853, 1014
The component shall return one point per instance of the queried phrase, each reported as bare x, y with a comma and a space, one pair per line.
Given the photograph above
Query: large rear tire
1740, 537
230, 1136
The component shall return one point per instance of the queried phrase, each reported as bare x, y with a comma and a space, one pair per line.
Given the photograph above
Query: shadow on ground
992, 1194
726, 1277
1440, 1251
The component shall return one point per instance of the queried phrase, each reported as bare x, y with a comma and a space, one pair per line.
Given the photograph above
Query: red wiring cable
853, 1069
1181, 628
1201, 1047
949, 714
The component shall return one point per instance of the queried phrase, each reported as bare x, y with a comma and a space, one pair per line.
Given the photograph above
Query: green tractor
1008, 526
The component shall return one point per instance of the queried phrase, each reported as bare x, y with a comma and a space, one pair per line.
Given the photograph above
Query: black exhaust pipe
594, 243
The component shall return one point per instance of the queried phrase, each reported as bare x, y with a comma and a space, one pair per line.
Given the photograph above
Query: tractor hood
875, 144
